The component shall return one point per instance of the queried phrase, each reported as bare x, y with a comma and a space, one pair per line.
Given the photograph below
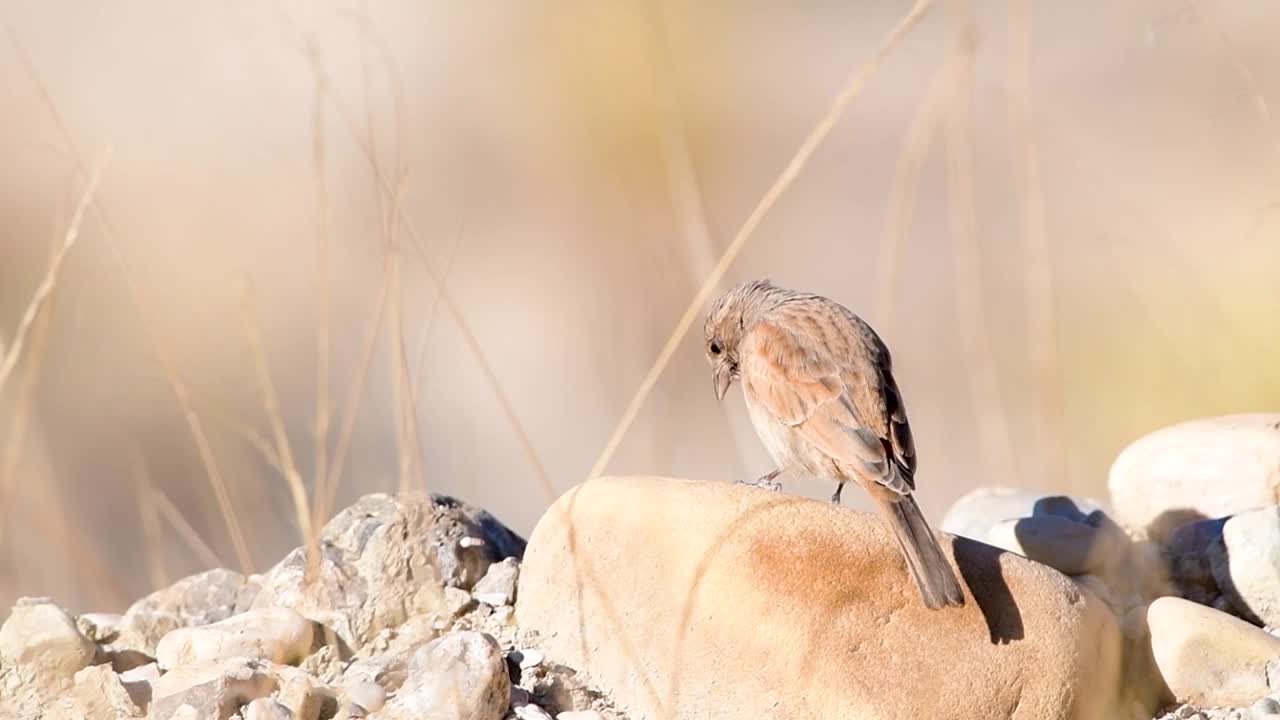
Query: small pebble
529, 711
504, 615
457, 600
530, 658
498, 586
368, 695
1185, 712
267, 709
1264, 709
580, 715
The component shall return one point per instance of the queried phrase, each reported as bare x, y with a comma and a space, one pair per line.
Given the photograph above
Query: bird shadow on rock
979, 564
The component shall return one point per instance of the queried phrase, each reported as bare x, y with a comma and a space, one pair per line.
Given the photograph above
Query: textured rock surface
98, 695
216, 690
276, 634
1208, 657
266, 709
196, 600
651, 586
45, 643
386, 559
462, 676
498, 586
1201, 469
1246, 564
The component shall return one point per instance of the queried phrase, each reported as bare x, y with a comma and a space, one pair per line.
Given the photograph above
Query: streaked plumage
819, 388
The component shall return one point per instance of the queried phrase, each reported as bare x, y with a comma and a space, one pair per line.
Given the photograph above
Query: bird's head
724, 328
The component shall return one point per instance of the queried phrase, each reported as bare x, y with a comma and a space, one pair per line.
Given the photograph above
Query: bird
820, 391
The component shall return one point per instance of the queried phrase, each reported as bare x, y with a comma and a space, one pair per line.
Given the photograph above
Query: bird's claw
766, 482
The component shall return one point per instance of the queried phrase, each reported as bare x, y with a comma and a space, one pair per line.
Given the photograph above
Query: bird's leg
835, 497
767, 482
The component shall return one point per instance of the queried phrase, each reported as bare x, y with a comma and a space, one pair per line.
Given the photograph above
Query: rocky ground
406, 612
672, 598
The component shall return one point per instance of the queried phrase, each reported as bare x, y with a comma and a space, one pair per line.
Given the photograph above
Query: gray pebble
1264, 709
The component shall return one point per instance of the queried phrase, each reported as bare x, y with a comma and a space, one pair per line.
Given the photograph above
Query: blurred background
455, 237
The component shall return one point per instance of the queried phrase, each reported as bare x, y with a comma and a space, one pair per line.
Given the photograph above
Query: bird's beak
721, 377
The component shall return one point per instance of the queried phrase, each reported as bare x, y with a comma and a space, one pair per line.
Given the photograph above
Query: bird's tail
933, 574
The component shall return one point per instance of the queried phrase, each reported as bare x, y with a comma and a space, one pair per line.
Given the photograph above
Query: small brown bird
821, 394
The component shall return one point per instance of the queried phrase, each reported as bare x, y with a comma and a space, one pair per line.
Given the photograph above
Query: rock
652, 587
1187, 556
1200, 469
1264, 709
457, 601
461, 676
504, 616
304, 696
529, 658
387, 661
1067, 546
974, 514
1246, 564
138, 682
214, 689
498, 586
276, 634
1207, 657
580, 715
186, 712
97, 694
1195, 538
1098, 587
44, 641
193, 601
266, 709
386, 559
530, 711
367, 694
99, 627
248, 593
556, 688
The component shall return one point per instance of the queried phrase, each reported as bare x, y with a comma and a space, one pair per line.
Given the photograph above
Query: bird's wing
847, 409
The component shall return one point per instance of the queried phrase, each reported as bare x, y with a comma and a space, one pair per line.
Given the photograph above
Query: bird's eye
715, 348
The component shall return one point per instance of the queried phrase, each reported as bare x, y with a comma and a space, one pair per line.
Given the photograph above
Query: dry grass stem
853, 87
256, 441
45, 289
694, 238
156, 567
271, 405
198, 547
195, 425
993, 426
180, 390
16, 439
320, 431
1038, 280
473, 345
1246, 75
327, 496
902, 193
429, 321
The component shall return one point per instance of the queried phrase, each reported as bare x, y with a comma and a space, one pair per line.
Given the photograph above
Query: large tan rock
1205, 468
710, 600
1208, 657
